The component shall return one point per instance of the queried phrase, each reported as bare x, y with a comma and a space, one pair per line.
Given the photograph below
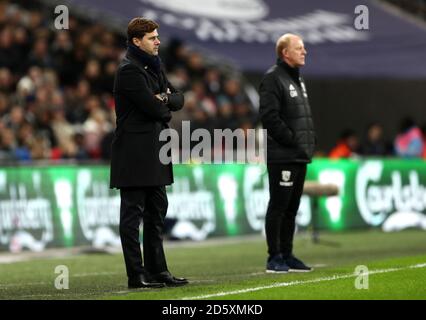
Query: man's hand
162, 97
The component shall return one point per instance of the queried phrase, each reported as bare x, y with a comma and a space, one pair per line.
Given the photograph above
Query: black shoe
276, 264
296, 265
141, 281
170, 281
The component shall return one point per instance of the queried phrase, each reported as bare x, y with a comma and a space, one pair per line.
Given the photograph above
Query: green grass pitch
235, 269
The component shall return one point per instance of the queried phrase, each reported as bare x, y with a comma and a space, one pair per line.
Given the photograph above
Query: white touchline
77, 275
94, 274
292, 283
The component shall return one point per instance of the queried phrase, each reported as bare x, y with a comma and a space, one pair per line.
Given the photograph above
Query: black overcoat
141, 117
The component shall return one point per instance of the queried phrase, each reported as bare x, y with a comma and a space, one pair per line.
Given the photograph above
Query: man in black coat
286, 115
144, 100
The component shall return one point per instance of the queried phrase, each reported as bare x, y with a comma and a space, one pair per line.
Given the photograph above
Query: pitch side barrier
70, 204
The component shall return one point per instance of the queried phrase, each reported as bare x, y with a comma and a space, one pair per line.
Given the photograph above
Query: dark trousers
149, 205
285, 190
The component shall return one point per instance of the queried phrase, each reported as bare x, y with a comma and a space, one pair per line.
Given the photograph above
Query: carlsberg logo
376, 201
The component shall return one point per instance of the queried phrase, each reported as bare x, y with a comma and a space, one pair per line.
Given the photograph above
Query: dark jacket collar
144, 59
293, 72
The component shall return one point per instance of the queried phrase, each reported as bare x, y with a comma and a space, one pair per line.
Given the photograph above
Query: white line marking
21, 284
63, 294
94, 274
297, 282
77, 275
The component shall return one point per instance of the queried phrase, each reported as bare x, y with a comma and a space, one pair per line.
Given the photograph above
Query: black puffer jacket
286, 115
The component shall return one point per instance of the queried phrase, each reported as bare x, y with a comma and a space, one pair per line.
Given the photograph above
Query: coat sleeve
176, 98
132, 84
269, 109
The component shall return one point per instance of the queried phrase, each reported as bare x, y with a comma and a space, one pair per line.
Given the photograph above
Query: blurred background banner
65, 206
244, 32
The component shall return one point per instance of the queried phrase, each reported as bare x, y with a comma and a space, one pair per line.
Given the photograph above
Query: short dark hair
138, 27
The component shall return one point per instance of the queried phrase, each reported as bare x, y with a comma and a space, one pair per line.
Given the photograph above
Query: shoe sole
274, 271
176, 284
300, 270
137, 288
146, 287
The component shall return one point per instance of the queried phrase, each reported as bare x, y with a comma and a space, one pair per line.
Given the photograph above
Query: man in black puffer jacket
286, 115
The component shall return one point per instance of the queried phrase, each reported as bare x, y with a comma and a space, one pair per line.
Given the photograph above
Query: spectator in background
226, 116
6, 81
196, 66
347, 145
7, 144
92, 73
423, 128
22, 44
14, 119
213, 81
64, 134
373, 144
81, 152
62, 53
25, 142
4, 105
180, 79
43, 118
95, 127
107, 80
409, 141
26, 87
40, 56
9, 53
176, 55
205, 102
76, 111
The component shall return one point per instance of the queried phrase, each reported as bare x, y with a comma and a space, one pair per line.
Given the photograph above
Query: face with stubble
150, 43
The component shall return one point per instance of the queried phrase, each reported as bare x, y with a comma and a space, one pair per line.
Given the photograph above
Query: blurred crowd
410, 142
56, 97
56, 87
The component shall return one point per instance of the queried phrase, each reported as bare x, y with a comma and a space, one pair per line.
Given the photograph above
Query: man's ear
136, 41
284, 52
